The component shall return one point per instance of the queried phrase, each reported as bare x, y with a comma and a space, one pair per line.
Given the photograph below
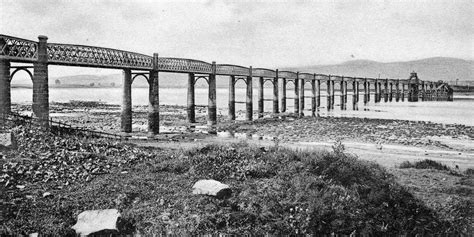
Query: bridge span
40, 54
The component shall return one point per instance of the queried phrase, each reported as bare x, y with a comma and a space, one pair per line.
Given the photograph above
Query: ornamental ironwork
80, 55
17, 49
184, 65
235, 70
263, 72
287, 74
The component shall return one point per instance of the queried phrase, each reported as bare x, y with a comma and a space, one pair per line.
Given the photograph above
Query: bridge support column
211, 103
313, 98
154, 99
232, 97
328, 92
126, 116
355, 95
365, 92
301, 95
376, 91
275, 94
343, 94
391, 92
191, 106
318, 94
283, 95
386, 91
368, 91
397, 92
333, 94
5, 90
297, 95
249, 98
40, 84
403, 92
260, 97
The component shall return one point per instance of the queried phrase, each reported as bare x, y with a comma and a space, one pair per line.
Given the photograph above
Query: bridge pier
301, 97
297, 95
343, 92
329, 97
385, 92
154, 99
390, 98
318, 94
5, 90
368, 91
283, 95
232, 97
403, 92
313, 98
40, 84
260, 97
126, 115
376, 91
249, 98
212, 105
333, 94
191, 100
365, 92
354, 94
275, 93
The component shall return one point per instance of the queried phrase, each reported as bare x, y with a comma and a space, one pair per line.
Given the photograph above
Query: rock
212, 187
96, 220
7, 141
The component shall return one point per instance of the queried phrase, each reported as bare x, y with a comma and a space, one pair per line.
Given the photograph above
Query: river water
461, 111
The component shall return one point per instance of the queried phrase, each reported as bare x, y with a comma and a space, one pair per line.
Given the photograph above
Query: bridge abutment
5, 90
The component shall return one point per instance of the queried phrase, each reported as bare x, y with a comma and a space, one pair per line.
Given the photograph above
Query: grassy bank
274, 190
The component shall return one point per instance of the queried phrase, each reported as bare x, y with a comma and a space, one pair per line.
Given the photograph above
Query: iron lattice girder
16, 49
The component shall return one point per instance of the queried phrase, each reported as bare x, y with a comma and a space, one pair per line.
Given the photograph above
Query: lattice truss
13, 47
287, 75
95, 56
183, 65
226, 69
263, 72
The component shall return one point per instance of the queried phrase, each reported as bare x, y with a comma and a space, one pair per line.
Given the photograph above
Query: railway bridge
38, 55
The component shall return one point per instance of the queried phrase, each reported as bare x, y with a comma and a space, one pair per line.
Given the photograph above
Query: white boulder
96, 220
211, 187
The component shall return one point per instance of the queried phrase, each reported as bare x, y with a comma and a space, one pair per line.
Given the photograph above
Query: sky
268, 34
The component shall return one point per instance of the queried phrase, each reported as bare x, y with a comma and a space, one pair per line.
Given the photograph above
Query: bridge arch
25, 69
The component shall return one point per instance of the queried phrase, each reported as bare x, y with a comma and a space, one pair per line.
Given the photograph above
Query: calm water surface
461, 111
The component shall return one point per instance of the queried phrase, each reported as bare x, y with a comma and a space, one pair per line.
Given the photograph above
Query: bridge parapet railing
232, 70
184, 65
263, 72
287, 75
18, 49
81, 55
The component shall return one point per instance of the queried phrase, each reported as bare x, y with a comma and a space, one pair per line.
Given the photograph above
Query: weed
424, 164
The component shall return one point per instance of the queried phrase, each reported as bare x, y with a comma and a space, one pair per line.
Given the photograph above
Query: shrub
424, 164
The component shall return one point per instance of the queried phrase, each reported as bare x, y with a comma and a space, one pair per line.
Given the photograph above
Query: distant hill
431, 69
